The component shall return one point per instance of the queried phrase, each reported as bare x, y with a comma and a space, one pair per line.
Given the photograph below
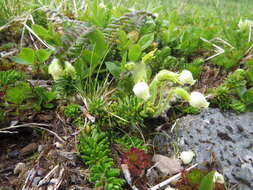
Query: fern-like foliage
75, 36
129, 22
66, 86
94, 150
10, 77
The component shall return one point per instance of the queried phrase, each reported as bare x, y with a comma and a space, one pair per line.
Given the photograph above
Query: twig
127, 176
219, 50
168, 181
34, 125
60, 178
8, 54
47, 177
44, 43
174, 125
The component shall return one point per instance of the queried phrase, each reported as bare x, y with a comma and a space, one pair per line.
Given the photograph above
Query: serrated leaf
27, 55
42, 55
248, 96
207, 182
194, 176
18, 94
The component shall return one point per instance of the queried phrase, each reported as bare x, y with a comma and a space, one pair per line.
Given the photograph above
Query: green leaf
40, 31
28, 55
250, 74
43, 55
18, 60
194, 176
48, 106
99, 43
146, 41
134, 52
51, 95
114, 68
248, 96
207, 182
19, 93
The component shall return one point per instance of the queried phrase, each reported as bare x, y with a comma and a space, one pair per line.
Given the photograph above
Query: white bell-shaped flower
69, 69
141, 90
198, 100
186, 77
218, 178
245, 25
55, 69
187, 156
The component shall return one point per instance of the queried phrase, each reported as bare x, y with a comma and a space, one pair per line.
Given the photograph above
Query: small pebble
36, 181
20, 168
40, 148
29, 149
53, 181
13, 154
58, 145
40, 172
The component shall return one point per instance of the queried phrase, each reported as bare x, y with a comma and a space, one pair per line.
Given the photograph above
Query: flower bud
55, 69
218, 178
187, 156
198, 100
186, 77
141, 90
164, 75
182, 93
130, 66
69, 70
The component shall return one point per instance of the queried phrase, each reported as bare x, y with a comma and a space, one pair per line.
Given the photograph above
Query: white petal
187, 156
218, 178
55, 69
141, 90
198, 100
186, 77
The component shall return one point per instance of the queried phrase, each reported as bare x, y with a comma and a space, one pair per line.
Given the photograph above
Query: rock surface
167, 166
225, 136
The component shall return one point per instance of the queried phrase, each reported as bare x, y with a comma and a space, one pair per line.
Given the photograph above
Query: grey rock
225, 136
40, 148
167, 166
36, 181
13, 154
152, 176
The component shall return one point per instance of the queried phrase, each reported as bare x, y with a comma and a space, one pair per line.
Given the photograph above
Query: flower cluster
57, 71
196, 99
